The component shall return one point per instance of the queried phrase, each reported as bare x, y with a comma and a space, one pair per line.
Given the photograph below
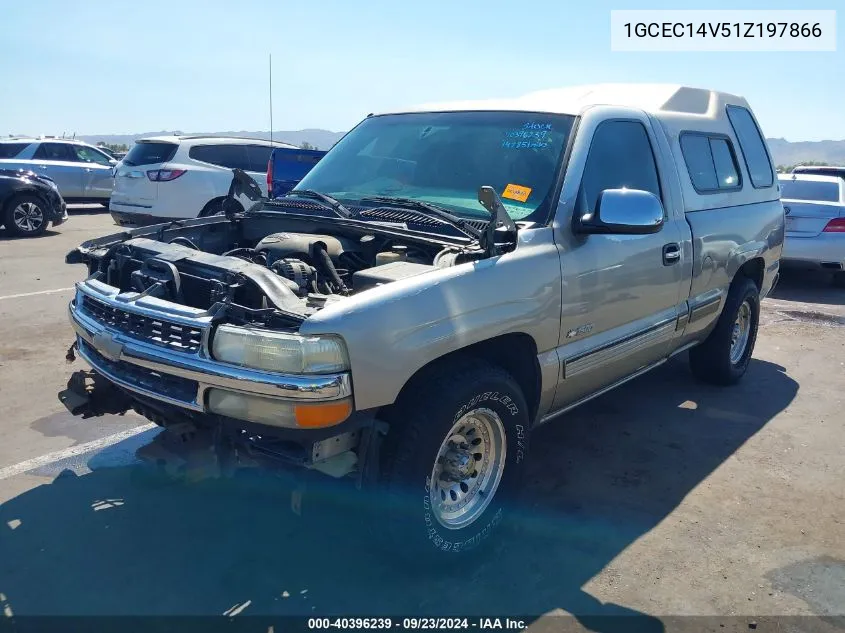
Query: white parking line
73, 451
32, 294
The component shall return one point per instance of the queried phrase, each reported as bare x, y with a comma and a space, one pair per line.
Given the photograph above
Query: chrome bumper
178, 377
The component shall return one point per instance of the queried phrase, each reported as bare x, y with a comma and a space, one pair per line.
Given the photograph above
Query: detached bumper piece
89, 394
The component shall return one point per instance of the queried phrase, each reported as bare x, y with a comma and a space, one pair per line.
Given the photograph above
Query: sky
105, 67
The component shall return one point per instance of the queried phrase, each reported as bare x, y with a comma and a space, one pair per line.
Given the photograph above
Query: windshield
443, 158
814, 190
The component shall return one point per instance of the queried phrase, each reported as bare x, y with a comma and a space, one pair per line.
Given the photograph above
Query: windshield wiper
431, 209
330, 202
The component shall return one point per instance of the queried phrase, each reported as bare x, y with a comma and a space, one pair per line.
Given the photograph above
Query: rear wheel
723, 357
454, 458
217, 207
25, 216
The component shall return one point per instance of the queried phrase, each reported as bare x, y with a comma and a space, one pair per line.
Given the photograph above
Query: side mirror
623, 212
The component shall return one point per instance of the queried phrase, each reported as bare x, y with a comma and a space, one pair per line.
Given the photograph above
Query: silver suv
82, 172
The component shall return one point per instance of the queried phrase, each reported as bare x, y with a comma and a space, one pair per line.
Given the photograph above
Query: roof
832, 169
810, 177
652, 98
48, 139
220, 139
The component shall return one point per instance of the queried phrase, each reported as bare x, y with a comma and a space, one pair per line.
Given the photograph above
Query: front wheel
724, 356
454, 459
25, 216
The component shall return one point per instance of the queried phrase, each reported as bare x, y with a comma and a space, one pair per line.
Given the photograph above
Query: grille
182, 389
173, 336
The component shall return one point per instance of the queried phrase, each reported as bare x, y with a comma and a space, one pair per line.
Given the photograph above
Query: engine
330, 265
257, 275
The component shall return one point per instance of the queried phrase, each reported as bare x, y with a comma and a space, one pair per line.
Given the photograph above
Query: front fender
393, 331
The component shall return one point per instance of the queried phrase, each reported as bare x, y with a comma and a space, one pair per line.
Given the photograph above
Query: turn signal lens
274, 412
315, 416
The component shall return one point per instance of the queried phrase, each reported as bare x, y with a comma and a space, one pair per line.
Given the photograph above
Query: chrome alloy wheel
741, 332
468, 469
28, 217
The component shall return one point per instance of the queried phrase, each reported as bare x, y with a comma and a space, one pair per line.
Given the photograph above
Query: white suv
176, 177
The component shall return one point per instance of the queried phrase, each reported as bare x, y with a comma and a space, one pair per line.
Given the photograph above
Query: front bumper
57, 210
175, 372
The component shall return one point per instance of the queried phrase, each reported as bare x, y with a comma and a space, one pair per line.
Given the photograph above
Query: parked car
442, 282
815, 222
112, 154
288, 166
820, 170
82, 172
166, 178
29, 202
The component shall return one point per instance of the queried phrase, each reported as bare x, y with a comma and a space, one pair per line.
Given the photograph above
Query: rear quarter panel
724, 239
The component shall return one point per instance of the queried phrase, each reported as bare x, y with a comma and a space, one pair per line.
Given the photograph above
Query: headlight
278, 351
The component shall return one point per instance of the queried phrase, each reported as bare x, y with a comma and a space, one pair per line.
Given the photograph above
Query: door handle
671, 254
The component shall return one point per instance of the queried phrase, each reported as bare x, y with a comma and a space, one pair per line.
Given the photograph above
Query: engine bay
265, 270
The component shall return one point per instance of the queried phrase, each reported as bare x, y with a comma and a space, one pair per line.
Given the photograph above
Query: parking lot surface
664, 497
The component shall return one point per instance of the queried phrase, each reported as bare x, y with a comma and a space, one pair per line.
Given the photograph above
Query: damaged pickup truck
443, 281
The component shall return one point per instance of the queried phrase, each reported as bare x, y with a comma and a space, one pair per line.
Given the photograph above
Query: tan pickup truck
443, 281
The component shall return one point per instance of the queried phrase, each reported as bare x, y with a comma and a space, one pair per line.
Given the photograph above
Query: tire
486, 405
25, 215
718, 360
216, 207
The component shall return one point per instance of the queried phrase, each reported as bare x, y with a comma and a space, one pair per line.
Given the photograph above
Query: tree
306, 145
114, 147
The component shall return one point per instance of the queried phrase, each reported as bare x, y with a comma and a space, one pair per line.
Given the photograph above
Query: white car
165, 178
815, 223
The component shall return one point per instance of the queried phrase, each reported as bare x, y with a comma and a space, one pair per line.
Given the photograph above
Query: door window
10, 150
620, 157
229, 156
752, 146
257, 157
710, 161
89, 155
55, 151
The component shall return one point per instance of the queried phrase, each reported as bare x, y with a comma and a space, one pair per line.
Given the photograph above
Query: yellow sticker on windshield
517, 192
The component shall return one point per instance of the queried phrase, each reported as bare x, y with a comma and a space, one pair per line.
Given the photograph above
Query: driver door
98, 176
58, 162
621, 293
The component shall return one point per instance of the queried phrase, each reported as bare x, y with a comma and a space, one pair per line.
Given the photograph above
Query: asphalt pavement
665, 497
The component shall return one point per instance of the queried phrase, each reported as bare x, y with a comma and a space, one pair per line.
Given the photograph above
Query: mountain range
784, 152
322, 139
